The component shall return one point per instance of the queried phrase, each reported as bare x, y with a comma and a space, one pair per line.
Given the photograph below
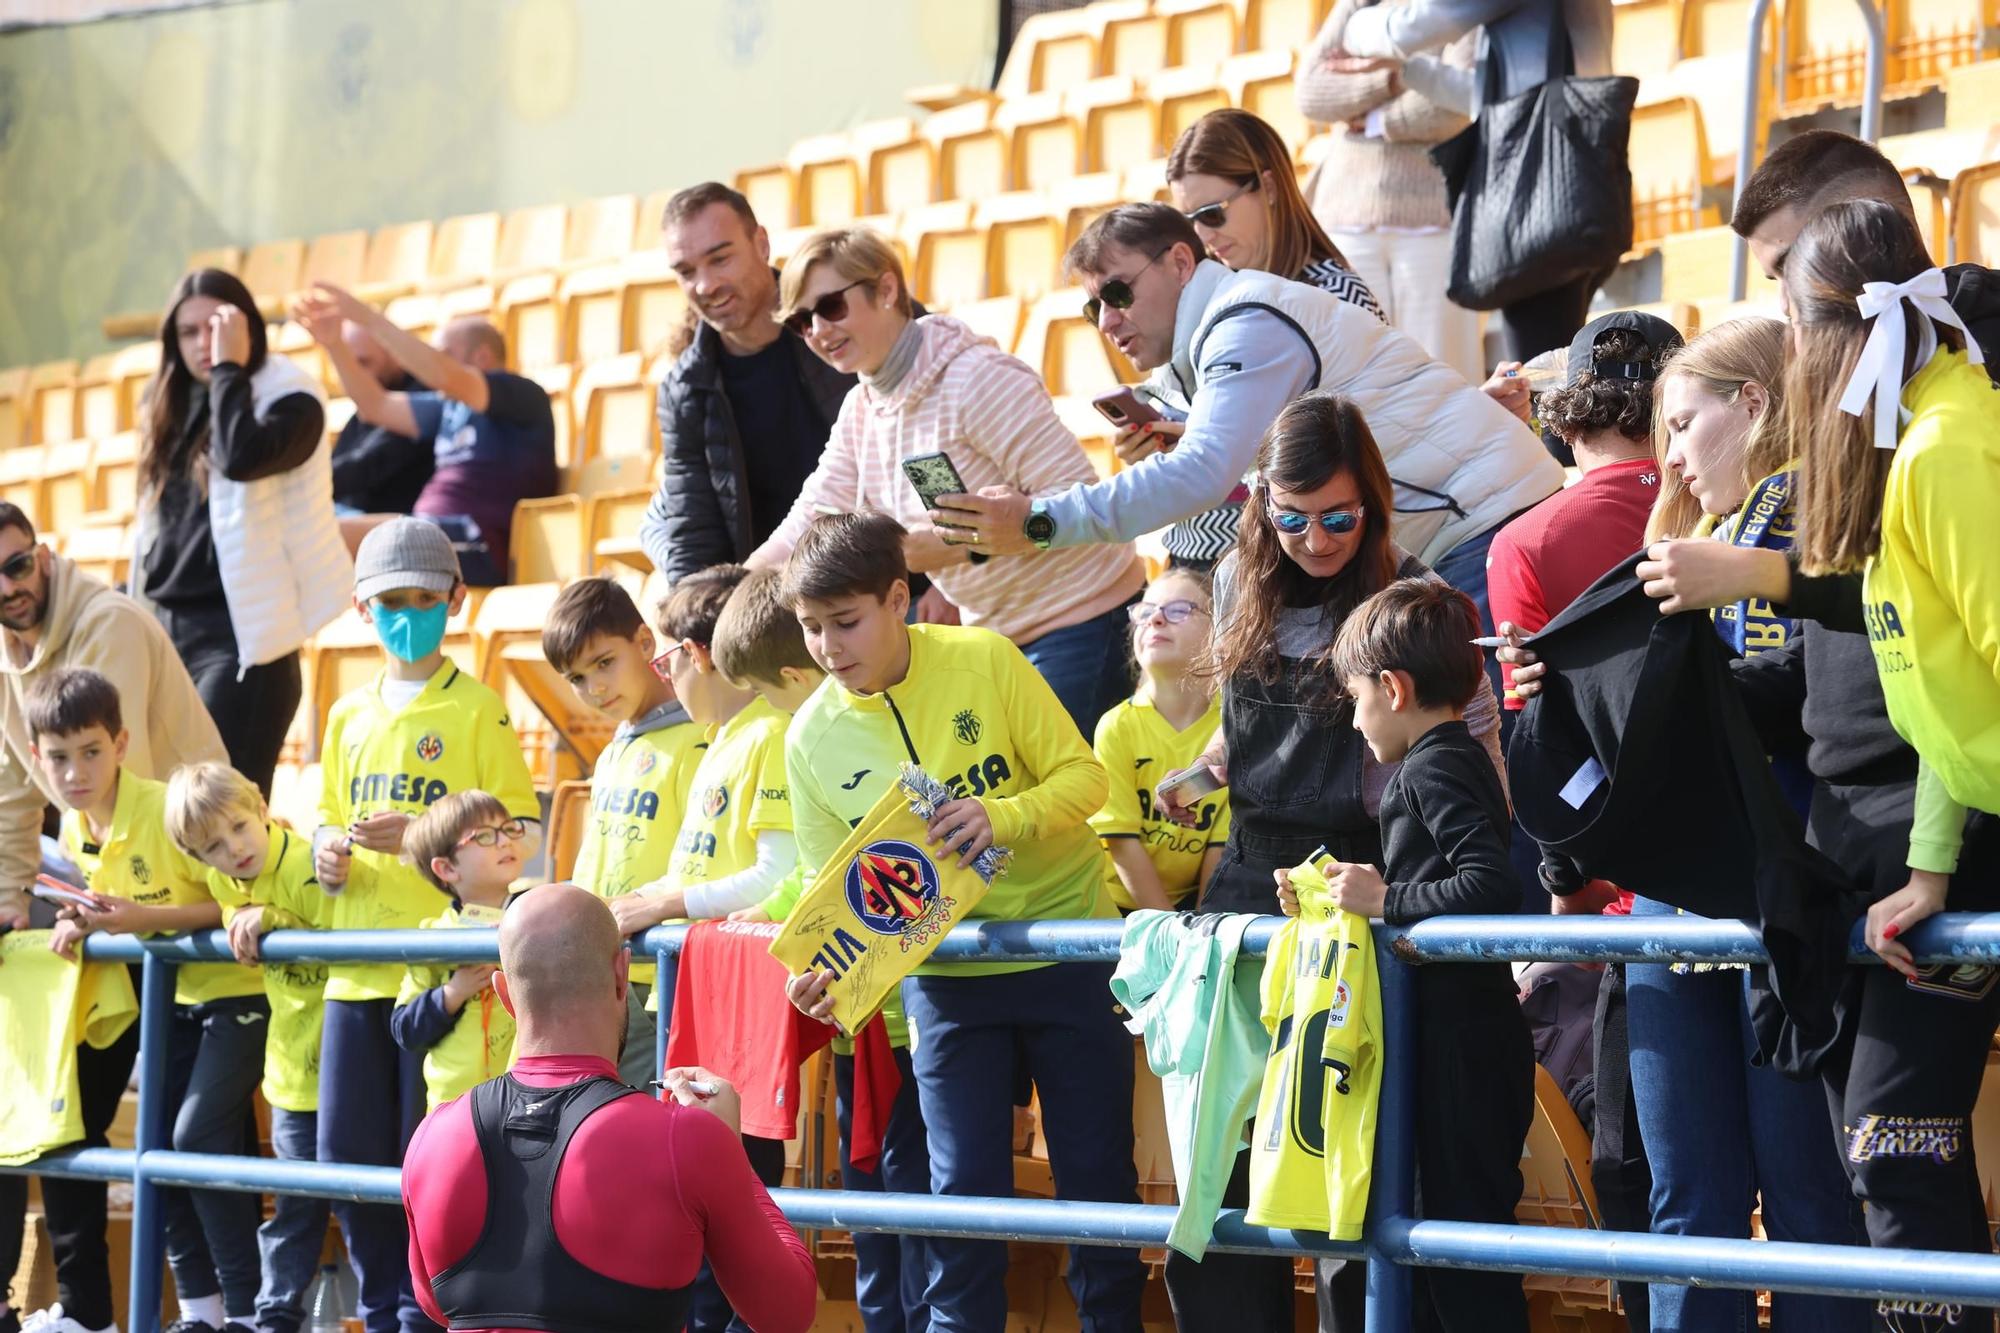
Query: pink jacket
989, 412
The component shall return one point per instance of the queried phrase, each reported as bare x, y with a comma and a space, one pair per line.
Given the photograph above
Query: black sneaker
190, 1326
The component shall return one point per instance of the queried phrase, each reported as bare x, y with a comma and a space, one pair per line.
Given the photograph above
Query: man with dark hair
1809, 171
746, 409
375, 470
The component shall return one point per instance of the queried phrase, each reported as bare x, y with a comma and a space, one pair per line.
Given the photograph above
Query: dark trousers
252, 712
371, 1097
1088, 665
976, 1035
292, 1241
1546, 320
215, 1059
75, 1209
1901, 1083
1250, 1292
890, 1271
709, 1310
1618, 1169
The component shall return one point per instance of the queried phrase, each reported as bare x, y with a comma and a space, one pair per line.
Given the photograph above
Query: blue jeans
1087, 664
890, 1271
291, 1240
974, 1036
1719, 1132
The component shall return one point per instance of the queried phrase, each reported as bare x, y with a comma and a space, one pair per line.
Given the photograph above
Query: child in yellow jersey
597, 640
114, 829
262, 875
967, 707
419, 731
468, 847
1161, 729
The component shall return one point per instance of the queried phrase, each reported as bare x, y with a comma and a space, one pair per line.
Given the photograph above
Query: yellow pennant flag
879, 906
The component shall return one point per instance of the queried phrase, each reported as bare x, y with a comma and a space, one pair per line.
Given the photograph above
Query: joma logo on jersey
405, 788
966, 727
982, 777
430, 747
714, 800
890, 886
635, 801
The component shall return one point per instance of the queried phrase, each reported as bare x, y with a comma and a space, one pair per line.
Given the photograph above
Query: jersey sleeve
333, 777
759, 1261
503, 769
1120, 816
1070, 785
770, 786
1937, 827
1482, 878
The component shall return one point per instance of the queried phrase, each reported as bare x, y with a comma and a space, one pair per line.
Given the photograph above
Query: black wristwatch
1039, 526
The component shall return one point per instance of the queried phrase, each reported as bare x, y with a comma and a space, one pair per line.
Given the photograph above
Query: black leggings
1548, 320
252, 709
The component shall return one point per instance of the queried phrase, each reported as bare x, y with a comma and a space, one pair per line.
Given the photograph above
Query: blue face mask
410, 633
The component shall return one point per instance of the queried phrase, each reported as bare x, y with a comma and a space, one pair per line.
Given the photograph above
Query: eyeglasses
1116, 292
1215, 216
664, 662
513, 831
832, 308
19, 566
1173, 612
1338, 522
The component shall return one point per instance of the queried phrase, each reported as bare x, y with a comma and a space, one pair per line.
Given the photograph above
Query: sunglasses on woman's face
832, 308
1116, 293
513, 831
1173, 612
1338, 522
1215, 216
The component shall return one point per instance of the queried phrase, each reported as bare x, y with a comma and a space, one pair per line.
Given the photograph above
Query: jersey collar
441, 679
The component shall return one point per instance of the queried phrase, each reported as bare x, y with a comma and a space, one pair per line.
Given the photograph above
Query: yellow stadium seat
115, 474
418, 314
1557, 1191
785, 242
530, 317
1147, 180
1069, 354
1972, 96
1975, 213
569, 818
1091, 429
898, 163
949, 254
1943, 153
228, 258
1720, 309
102, 550
1051, 51
1928, 38
652, 214
21, 479
508, 631
591, 303
1826, 45
611, 474
51, 402
971, 151
556, 382
1261, 83
291, 341
601, 229
97, 398
464, 251
1080, 199
531, 240
1669, 156
1134, 44
997, 317
339, 411
653, 308
547, 542
65, 485
1046, 143
1199, 32
1121, 124
611, 528
134, 370
1694, 267
889, 227
1184, 94
271, 271
614, 409
827, 178
770, 192
399, 257
1281, 25
340, 258
1646, 36
13, 406
1024, 243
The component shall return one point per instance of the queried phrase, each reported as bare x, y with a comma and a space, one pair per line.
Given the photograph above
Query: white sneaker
53, 1320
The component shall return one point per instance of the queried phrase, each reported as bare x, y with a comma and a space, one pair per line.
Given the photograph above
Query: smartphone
1190, 784
64, 895
1122, 407
934, 475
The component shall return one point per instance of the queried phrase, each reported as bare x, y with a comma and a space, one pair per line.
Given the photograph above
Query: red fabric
646, 1191
1545, 559
876, 1082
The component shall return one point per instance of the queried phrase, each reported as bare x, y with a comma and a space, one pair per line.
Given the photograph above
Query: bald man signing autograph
557, 1198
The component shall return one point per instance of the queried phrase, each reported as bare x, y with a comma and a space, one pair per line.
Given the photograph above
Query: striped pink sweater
990, 413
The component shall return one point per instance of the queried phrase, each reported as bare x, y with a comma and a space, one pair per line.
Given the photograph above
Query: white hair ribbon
1880, 369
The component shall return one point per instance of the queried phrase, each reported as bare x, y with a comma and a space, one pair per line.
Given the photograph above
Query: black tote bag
1539, 186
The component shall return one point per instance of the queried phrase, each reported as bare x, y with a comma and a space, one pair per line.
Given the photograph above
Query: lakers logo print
714, 801
966, 727
430, 747
891, 885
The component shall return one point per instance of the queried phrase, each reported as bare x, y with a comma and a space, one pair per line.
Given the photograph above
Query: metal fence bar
156, 1012
1392, 1187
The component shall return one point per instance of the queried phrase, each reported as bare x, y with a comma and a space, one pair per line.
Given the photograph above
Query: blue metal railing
1394, 1242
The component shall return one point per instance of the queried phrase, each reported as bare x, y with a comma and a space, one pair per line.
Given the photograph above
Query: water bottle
323, 1302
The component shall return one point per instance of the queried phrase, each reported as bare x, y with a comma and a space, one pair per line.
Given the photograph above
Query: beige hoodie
90, 625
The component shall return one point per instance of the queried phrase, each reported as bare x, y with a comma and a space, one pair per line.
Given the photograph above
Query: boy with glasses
469, 848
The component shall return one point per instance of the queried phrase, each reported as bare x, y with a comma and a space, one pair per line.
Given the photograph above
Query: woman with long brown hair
237, 549
1314, 544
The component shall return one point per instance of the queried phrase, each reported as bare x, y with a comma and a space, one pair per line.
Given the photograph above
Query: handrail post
1393, 1191
156, 1012
666, 977
1875, 72
1746, 149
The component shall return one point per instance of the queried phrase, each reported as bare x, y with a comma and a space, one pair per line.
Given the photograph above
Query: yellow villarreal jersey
739, 789
454, 736
1313, 1145
480, 1045
638, 796
138, 861
1138, 748
291, 898
48, 1007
